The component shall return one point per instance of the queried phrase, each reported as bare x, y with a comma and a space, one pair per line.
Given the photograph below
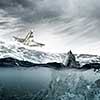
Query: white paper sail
29, 40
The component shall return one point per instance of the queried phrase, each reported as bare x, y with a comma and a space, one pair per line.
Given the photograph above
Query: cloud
31, 10
27, 12
14, 3
36, 10
75, 22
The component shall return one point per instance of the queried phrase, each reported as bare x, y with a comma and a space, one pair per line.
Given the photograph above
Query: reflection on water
49, 84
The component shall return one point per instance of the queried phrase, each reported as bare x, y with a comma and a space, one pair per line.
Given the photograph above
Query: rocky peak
70, 60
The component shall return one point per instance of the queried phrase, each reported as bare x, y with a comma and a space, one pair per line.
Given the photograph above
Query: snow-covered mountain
23, 53
86, 58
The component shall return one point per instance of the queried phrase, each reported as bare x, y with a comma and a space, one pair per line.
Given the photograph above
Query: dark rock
70, 61
12, 62
86, 66
95, 66
56, 65
26, 64
5, 62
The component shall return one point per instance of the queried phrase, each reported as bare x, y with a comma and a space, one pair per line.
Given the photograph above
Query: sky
62, 25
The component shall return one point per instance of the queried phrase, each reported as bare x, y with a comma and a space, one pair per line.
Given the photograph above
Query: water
22, 80
49, 84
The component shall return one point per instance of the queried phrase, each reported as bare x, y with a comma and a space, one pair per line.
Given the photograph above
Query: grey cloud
3, 23
14, 3
29, 12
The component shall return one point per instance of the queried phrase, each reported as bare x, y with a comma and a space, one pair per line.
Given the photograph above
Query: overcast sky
60, 24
